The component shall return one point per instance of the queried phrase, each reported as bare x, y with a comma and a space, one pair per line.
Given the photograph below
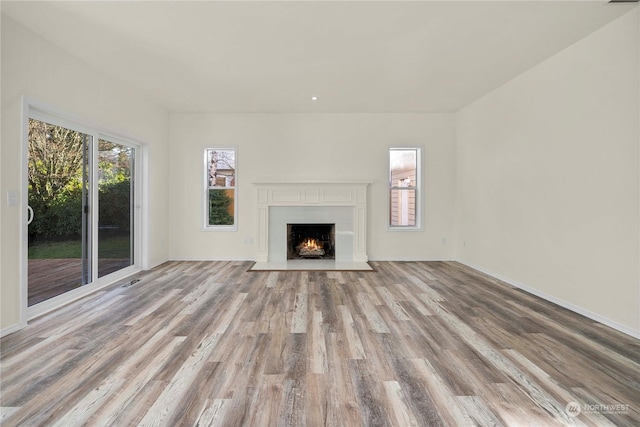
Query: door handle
30, 212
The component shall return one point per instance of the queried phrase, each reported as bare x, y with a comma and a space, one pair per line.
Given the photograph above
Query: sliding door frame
34, 110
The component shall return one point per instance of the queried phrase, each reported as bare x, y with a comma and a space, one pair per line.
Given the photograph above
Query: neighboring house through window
221, 200
404, 188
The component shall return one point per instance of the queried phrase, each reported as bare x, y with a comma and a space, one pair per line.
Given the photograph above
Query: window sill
404, 229
220, 228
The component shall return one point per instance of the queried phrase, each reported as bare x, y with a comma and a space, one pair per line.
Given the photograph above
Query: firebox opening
311, 241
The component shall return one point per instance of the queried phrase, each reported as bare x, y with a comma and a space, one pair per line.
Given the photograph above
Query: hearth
311, 241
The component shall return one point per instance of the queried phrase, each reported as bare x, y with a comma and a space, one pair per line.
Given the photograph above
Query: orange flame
311, 244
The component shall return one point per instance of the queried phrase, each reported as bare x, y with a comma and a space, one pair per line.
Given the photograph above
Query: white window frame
205, 206
417, 187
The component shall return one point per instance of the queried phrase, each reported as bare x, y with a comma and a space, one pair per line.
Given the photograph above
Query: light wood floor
419, 343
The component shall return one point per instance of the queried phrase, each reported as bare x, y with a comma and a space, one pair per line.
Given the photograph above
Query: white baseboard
402, 259
11, 329
569, 306
156, 264
212, 260
410, 259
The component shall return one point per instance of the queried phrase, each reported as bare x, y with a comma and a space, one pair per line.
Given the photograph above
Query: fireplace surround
341, 203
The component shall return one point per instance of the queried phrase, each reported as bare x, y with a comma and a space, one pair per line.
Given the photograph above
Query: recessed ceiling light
314, 98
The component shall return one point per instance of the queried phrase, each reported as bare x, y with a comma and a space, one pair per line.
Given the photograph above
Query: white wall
33, 67
543, 181
548, 177
308, 147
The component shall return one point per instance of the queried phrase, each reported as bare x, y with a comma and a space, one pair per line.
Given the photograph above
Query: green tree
115, 161
219, 203
56, 159
115, 204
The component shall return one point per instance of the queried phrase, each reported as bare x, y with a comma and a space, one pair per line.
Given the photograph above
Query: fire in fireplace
311, 241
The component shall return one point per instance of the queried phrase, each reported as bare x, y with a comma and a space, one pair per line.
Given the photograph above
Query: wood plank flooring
410, 344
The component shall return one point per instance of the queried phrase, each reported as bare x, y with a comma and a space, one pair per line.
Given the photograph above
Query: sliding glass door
59, 256
81, 202
115, 206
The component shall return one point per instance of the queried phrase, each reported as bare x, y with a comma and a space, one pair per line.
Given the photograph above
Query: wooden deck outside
52, 277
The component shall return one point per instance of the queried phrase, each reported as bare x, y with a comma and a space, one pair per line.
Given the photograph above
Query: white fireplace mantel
319, 194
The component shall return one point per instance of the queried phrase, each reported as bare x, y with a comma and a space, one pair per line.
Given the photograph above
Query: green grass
111, 247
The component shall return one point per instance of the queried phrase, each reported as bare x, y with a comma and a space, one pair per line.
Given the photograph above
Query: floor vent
131, 283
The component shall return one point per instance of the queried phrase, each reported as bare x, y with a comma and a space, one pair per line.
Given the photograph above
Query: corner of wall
515, 219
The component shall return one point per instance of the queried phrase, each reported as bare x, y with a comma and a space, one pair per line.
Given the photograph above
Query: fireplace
312, 202
311, 241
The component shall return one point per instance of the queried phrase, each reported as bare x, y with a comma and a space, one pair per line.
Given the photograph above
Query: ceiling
356, 57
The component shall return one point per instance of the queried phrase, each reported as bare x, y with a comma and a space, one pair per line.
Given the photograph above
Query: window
404, 188
221, 200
